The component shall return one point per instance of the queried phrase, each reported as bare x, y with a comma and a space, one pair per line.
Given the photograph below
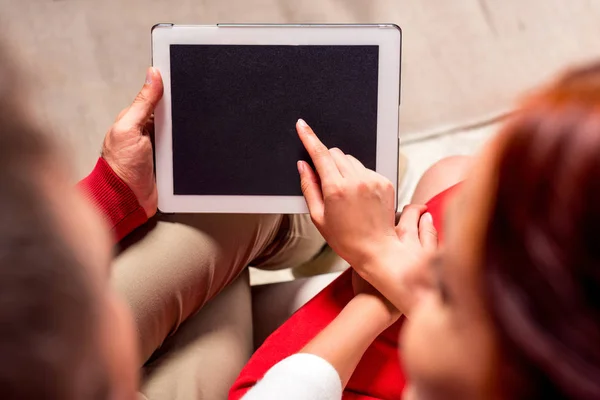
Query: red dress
378, 374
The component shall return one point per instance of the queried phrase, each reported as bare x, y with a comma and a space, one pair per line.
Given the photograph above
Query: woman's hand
127, 146
352, 206
403, 271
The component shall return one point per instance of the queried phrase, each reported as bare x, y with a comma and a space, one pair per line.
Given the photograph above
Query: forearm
343, 342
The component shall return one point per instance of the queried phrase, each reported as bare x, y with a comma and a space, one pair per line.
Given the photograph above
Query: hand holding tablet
127, 146
225, 139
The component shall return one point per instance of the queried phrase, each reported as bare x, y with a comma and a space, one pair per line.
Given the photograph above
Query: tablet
225, 138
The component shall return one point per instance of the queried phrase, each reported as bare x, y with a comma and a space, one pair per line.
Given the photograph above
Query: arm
324, 366
122, 185
298, 377
343, 342
399, 270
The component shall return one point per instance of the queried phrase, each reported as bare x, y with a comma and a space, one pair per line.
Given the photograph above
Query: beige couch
463, 60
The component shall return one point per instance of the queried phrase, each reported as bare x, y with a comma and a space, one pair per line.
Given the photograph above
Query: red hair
542, 245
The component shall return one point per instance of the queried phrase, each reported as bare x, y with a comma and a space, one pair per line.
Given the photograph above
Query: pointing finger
319, 153
342, 162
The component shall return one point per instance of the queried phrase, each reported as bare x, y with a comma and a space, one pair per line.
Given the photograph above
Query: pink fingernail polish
427, 217
300, 166
302, 123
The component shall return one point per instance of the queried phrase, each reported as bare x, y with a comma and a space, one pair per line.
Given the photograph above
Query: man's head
63, 333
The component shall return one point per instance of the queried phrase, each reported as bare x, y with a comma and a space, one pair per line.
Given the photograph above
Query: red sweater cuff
114, 198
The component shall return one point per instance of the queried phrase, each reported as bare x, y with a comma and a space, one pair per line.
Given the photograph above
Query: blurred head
514, 308
63, 332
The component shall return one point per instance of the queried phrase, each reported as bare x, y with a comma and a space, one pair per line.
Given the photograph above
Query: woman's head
519, 310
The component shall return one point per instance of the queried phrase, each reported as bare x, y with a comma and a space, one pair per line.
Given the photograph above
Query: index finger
319, 153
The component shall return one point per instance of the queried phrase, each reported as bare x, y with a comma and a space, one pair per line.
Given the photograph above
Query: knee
448, 168
440, 176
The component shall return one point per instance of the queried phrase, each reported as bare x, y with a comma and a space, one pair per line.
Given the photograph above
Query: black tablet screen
235, 107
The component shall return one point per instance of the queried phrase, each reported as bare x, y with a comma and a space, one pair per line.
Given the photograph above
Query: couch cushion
463, 61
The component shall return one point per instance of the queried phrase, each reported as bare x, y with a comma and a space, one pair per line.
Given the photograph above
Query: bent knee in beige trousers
169, 269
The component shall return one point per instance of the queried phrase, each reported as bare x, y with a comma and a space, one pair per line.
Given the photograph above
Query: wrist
386, 271
377, 311
384, 255
114, 199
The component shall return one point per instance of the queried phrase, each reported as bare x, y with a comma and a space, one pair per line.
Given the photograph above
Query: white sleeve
299, 377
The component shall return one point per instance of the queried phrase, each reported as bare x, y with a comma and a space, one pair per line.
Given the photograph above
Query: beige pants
193, 343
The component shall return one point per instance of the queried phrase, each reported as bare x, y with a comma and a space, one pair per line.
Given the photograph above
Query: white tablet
225, 127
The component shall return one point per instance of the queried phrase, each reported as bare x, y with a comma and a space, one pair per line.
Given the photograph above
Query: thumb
311, 189
427, 232
146, 100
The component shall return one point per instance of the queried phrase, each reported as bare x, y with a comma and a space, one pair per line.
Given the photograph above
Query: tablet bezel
386, 36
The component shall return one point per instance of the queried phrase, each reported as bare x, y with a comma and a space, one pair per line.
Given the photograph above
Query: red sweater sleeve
115, 200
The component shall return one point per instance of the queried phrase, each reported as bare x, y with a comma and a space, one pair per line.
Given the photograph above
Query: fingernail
300, 166
149, 75
428, 218
302, 123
